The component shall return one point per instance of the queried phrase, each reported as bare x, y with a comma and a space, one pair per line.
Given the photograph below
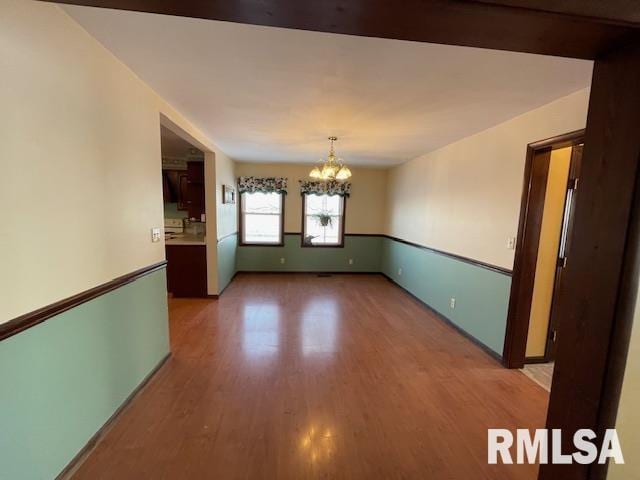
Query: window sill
281, 244
339, 245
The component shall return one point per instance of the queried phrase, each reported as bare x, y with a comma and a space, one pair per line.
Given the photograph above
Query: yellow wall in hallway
548, 251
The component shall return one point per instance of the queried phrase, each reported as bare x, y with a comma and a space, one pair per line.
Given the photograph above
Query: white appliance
173, 228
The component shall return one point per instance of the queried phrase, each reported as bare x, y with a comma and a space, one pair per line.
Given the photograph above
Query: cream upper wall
365, 208
227, 212
465, 198
80, 156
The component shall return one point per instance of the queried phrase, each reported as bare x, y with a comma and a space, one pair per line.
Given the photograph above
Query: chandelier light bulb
344, 173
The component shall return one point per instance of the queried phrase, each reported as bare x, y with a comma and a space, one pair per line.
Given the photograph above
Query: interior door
564, 255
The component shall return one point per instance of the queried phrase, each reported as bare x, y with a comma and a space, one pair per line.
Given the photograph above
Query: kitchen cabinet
169, 186
195, 189
195, 172
185, 188
174, 187
187, 270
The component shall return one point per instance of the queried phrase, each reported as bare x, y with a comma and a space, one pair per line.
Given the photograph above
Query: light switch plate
155, 234
511, 243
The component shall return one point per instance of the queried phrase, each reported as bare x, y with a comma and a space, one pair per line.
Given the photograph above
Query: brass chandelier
332, 168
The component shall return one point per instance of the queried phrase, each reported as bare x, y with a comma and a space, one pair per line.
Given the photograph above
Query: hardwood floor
295, 376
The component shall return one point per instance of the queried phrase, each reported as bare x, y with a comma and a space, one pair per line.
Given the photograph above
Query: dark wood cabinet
187, 270
183, 191
171, 185
167, 194
195, 172
185, 188
195, 189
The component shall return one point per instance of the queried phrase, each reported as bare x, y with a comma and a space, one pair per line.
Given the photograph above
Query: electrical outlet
399, 272
452, 302
282, 260
155, 235
351, 261
511, 243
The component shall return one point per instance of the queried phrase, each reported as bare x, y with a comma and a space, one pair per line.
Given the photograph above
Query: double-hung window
261, 218
322, 220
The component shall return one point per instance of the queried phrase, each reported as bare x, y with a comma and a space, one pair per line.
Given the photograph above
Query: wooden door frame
603, 274
524, 266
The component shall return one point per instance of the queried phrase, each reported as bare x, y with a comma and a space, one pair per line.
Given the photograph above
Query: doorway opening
551, 180
183, 191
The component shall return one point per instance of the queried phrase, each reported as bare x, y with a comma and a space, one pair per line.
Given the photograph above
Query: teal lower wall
62, 380
482, 295
227, 248
363, 250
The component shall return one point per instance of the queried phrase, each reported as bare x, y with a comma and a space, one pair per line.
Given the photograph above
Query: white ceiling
274, 95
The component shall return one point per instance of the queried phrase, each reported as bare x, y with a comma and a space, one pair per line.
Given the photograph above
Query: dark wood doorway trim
602, 276
597, 297
524, 267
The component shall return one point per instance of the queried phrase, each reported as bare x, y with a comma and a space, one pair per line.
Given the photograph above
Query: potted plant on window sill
324, 219
308, 239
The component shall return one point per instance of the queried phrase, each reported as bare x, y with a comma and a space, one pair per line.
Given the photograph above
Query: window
323, 220
261, 218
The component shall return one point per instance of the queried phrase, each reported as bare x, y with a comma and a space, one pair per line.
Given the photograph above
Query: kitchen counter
185, 239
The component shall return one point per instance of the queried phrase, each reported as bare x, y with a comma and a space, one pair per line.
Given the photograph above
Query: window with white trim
261, 218
322, 220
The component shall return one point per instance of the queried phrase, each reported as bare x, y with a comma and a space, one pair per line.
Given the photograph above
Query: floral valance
330, 187
262, 184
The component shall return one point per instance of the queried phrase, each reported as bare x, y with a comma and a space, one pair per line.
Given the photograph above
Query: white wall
465, 198
80, 158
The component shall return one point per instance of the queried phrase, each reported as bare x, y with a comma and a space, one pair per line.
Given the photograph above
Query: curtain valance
330, 187
262, 184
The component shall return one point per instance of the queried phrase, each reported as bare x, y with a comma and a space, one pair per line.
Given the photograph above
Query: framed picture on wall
228, 194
